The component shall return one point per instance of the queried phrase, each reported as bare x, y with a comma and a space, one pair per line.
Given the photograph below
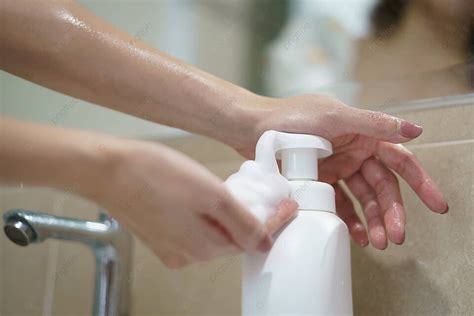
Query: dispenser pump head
299, 154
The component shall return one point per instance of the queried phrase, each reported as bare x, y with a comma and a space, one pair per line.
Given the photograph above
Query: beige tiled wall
431, 274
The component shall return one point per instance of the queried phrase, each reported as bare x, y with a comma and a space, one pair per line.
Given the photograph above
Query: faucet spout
36, 227
110, 244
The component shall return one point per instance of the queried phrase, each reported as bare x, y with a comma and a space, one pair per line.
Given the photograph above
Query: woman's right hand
178, 208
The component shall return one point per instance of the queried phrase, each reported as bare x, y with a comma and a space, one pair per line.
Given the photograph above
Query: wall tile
75, 265
52, 276
431, 274
202, 289
203, 149
443, 124
23, 269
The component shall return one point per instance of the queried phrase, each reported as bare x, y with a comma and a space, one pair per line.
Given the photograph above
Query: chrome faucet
110, 244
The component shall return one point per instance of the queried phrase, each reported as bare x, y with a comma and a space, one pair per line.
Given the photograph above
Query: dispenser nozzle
299, 154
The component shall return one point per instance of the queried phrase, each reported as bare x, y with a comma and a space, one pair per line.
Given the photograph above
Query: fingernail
265, 245
409, 130
384, 247
401, 241
447, 209
359, 234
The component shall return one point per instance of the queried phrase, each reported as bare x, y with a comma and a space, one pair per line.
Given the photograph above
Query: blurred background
366, 52
413, 59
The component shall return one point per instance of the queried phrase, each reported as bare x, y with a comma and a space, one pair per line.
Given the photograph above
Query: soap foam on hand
258, 185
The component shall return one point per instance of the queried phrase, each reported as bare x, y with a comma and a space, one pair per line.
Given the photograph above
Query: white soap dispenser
307, 271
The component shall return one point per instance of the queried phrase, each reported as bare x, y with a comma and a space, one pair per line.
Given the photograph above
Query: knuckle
250, 239
382, 187
173, 261
381, 179
256, 236
402, 165
221, 240
367, 199
223, 201
202, 254
332, 115
368, 166
371, 210
382, 121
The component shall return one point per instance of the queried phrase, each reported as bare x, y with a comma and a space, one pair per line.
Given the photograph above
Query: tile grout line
440, 144
53, 249
51, 270
428, 104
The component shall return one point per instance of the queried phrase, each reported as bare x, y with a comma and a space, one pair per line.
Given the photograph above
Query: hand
178, 208
366, 150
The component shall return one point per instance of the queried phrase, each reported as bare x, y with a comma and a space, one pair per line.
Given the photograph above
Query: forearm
69, 160
65, 47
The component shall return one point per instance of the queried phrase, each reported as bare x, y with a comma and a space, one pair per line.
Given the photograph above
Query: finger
373, 214
203, 239
174, 262
286, 211
244, 228
380, 126
173, 258
405, 163
339, 166
211, 243
219, 240
385, 185
345, 210
215, 232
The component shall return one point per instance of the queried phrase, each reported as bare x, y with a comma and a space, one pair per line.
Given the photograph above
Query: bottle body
307, 271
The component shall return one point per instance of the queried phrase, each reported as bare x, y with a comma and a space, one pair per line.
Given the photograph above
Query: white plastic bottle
307, 271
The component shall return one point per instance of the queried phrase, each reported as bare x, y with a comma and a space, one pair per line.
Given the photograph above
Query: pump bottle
307, 271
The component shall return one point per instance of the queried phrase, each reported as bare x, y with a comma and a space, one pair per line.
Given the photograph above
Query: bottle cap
299, 154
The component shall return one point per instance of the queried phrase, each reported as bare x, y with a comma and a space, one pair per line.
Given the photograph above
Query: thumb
380, 126
285, 212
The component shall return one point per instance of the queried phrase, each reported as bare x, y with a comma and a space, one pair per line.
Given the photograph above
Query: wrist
82, 163
236, 120
246, 122
100, 160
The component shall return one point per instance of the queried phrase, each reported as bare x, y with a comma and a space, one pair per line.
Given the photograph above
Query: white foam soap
258, 184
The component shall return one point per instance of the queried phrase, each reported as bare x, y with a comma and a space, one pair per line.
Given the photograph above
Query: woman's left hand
367, 147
